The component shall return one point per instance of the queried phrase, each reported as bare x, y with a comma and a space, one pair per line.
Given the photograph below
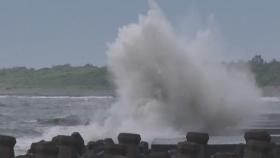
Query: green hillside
89, 77
267, 73
56, 77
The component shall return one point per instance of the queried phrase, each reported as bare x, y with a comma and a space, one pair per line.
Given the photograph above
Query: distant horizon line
104, 65
52, 66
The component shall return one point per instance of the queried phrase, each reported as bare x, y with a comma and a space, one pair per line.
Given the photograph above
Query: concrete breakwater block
80, 143
225, 155
257, 149
67, 146
159, 155
144, 147
129, 138
7, 144
115, 149
197, 137
44, 149
258, 145
131, 142
108, 141
257, 135
187, 150
201, 139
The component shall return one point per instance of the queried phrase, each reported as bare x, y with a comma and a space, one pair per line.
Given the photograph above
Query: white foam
23, 143
168, 85
270, 99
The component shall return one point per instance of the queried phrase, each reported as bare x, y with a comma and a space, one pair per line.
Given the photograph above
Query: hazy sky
37, 33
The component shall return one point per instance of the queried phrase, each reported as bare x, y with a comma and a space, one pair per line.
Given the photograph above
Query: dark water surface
30, 118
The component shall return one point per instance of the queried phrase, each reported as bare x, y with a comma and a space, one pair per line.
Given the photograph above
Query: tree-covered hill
267, 73
89, 77
56, 77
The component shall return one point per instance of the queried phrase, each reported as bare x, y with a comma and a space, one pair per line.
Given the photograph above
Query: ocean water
32, 118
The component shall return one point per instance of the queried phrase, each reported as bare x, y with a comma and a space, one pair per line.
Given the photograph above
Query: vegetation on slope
97, 78
56, 77
266, 73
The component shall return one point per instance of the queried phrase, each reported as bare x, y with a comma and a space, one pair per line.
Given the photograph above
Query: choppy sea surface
32, 118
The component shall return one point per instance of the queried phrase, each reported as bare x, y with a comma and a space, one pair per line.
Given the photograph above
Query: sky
43, 33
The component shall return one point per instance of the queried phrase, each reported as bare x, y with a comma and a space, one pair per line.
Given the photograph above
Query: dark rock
257, 135
131, 141
80, 142
64, 140
159, 155
7, 144
239, 149
188, 148
32, 147
115, 149
225, 155
258, 146
275, 152
162, 147
129, 138
67, 146
144, 147
94, 149
7, 141
196, 137
91, 145
44, 150
228, 148
257, 149
108, 141
201, 139
79, 138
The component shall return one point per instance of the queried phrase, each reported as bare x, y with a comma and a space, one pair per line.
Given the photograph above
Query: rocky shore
258, 144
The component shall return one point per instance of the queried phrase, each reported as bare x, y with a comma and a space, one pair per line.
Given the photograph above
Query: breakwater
258, 144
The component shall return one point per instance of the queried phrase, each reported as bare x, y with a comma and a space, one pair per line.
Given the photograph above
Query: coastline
56, 92
268, 91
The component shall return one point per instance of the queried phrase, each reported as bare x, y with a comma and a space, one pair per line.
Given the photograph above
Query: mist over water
168, 85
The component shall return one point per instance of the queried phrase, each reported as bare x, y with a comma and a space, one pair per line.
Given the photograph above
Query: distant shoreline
268, 91
56, 92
